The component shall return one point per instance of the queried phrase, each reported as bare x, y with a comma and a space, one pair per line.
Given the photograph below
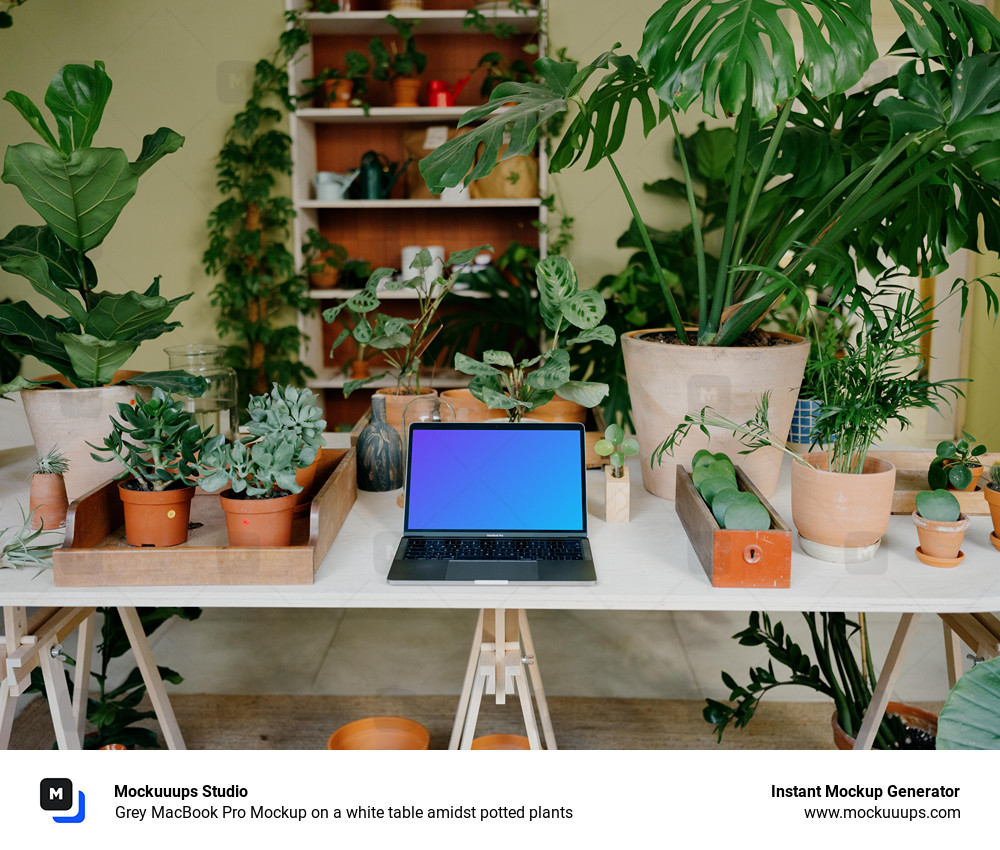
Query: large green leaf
556, 282
177, 382
76, 97
468, 366
716, 51
79, 197
131, 316
587, 393
95, 361
552, 374
26, 332
68, 269
36, 271
155, 146
970, 718
602, 333
585, 310
33, 116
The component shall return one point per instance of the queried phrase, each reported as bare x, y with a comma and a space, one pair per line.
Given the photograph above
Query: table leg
81, 675
886, 682
57, 692
536, 682
8, 701
470, 675
952, 654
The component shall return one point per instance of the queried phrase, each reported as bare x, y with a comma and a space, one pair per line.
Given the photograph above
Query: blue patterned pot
803, 421
380, 452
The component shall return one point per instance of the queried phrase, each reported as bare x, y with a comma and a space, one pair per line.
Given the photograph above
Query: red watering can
441, 93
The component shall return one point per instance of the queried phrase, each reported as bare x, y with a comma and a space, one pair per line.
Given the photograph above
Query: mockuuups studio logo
56, 795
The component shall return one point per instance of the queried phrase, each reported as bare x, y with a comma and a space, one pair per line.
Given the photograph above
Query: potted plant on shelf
520, 387
340, 87
940, 526
991, 492
836, 672
324, 259
47, 499
157, 442
402, 341
401, 64
956, 464
90, 343
872, 200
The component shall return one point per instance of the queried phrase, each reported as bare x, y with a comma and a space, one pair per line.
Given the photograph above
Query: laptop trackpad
492, 571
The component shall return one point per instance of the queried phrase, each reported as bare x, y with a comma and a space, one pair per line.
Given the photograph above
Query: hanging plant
250, 229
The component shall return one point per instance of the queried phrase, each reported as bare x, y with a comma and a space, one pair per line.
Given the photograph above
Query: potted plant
519, 387
894, 155
295, 411
342, 86
956, 464
324, 259
940, 526
98, 331
401, 341
841, 497
616, 447
834, 670
991, 492
401, 64
156, 441
47, 499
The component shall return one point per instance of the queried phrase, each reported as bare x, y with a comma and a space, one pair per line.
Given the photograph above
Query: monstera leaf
970, 718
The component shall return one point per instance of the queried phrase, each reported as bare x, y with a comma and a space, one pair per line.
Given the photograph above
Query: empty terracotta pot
380, 733
258, 522
48, 501
156, 517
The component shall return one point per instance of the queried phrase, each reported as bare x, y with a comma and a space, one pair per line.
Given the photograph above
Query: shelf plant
956, 463
341, 86
79, 190
402, 341
401, 63
501, 382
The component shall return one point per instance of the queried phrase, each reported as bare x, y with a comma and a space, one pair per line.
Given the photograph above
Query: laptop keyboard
492, 549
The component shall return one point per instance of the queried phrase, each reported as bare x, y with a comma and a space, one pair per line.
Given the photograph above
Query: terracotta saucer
501, 742
380, 733
995, 541
940, 562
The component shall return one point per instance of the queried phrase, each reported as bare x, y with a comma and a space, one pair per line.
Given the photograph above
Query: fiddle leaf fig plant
79, 191
521, 386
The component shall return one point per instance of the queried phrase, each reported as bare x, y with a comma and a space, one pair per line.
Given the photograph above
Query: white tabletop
646, 564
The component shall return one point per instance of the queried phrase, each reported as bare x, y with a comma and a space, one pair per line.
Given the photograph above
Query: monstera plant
79, 191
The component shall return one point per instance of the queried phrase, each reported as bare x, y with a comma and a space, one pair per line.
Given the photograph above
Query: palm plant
897, 183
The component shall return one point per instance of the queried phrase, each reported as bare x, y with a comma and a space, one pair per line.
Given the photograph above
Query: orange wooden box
735, 558
95, 553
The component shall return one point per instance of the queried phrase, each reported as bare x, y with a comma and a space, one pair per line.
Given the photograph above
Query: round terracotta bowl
913, 717
501, 742
380, 733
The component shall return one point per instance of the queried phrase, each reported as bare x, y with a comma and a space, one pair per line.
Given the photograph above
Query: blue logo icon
56, 795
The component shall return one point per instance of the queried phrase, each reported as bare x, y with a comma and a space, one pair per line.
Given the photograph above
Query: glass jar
216, 408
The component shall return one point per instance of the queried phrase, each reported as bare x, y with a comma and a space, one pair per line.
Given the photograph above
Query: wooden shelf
385, 114
386, 294
437, 21
420, 203
442, 379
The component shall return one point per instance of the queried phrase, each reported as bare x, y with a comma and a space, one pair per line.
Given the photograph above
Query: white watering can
332, 185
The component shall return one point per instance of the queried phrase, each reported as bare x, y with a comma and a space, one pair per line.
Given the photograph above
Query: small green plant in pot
340, 87
956, 465
401, 63
47, 499
156, 441
520, 387
991, 492
941, 527
616, 447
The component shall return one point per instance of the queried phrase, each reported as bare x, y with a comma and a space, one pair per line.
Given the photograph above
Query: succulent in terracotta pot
941, 527
47, 499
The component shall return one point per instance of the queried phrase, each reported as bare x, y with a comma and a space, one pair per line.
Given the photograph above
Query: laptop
494, 503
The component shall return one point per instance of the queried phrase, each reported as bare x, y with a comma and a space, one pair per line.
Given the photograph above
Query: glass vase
217, 407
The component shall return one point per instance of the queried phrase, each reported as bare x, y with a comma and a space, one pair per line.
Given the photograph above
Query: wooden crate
911, 478
95, 552
734, 558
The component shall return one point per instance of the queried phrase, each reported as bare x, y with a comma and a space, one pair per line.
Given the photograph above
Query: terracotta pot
406, 91
992, 497
914, 718
360, 368
395, 404
305, 478
70, 418
976, 471
468, 408
380, 733
327, 278
501, 742
668, 381
405, 5
338, 93
560, 410
841, 511
48, 500
156, 517
258, 522
940, 542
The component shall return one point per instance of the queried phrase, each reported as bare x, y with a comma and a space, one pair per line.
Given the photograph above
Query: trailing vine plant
249, 231
6, 8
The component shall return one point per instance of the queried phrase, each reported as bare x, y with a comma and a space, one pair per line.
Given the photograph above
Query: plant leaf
76, 97
587, 393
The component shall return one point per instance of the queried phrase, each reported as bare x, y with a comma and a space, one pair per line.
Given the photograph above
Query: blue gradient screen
496, 477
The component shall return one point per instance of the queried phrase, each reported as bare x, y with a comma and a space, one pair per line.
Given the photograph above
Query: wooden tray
95, 552
911, 478
734, 558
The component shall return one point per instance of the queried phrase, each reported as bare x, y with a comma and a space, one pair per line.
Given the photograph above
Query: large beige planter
668, 381
841, 517
70, 418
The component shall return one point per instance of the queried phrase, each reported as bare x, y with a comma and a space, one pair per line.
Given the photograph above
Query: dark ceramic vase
380, 453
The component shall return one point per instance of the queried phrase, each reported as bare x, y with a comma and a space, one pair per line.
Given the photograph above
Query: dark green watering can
377, 177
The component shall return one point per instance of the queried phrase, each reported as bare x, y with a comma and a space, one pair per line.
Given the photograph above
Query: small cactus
53, 462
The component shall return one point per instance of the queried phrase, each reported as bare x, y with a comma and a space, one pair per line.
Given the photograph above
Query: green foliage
969, 718
79, 191
836, 673
519, 387
952, 461
249, 230
938, 505
355, 68
398, 60
616, 447
155, 441
53, 462
289, 409
901, 182
714, 477
402, 341
994, 476
19, 549
114, 711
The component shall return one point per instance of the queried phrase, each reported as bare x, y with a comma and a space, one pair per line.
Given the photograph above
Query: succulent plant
261, 469
18, 548
714, 477
156, 441
938, 505
289, 410
53, 462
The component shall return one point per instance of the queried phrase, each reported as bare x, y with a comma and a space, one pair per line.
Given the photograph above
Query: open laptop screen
496, 477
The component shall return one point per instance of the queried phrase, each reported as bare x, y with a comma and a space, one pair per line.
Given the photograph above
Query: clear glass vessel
217, 407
